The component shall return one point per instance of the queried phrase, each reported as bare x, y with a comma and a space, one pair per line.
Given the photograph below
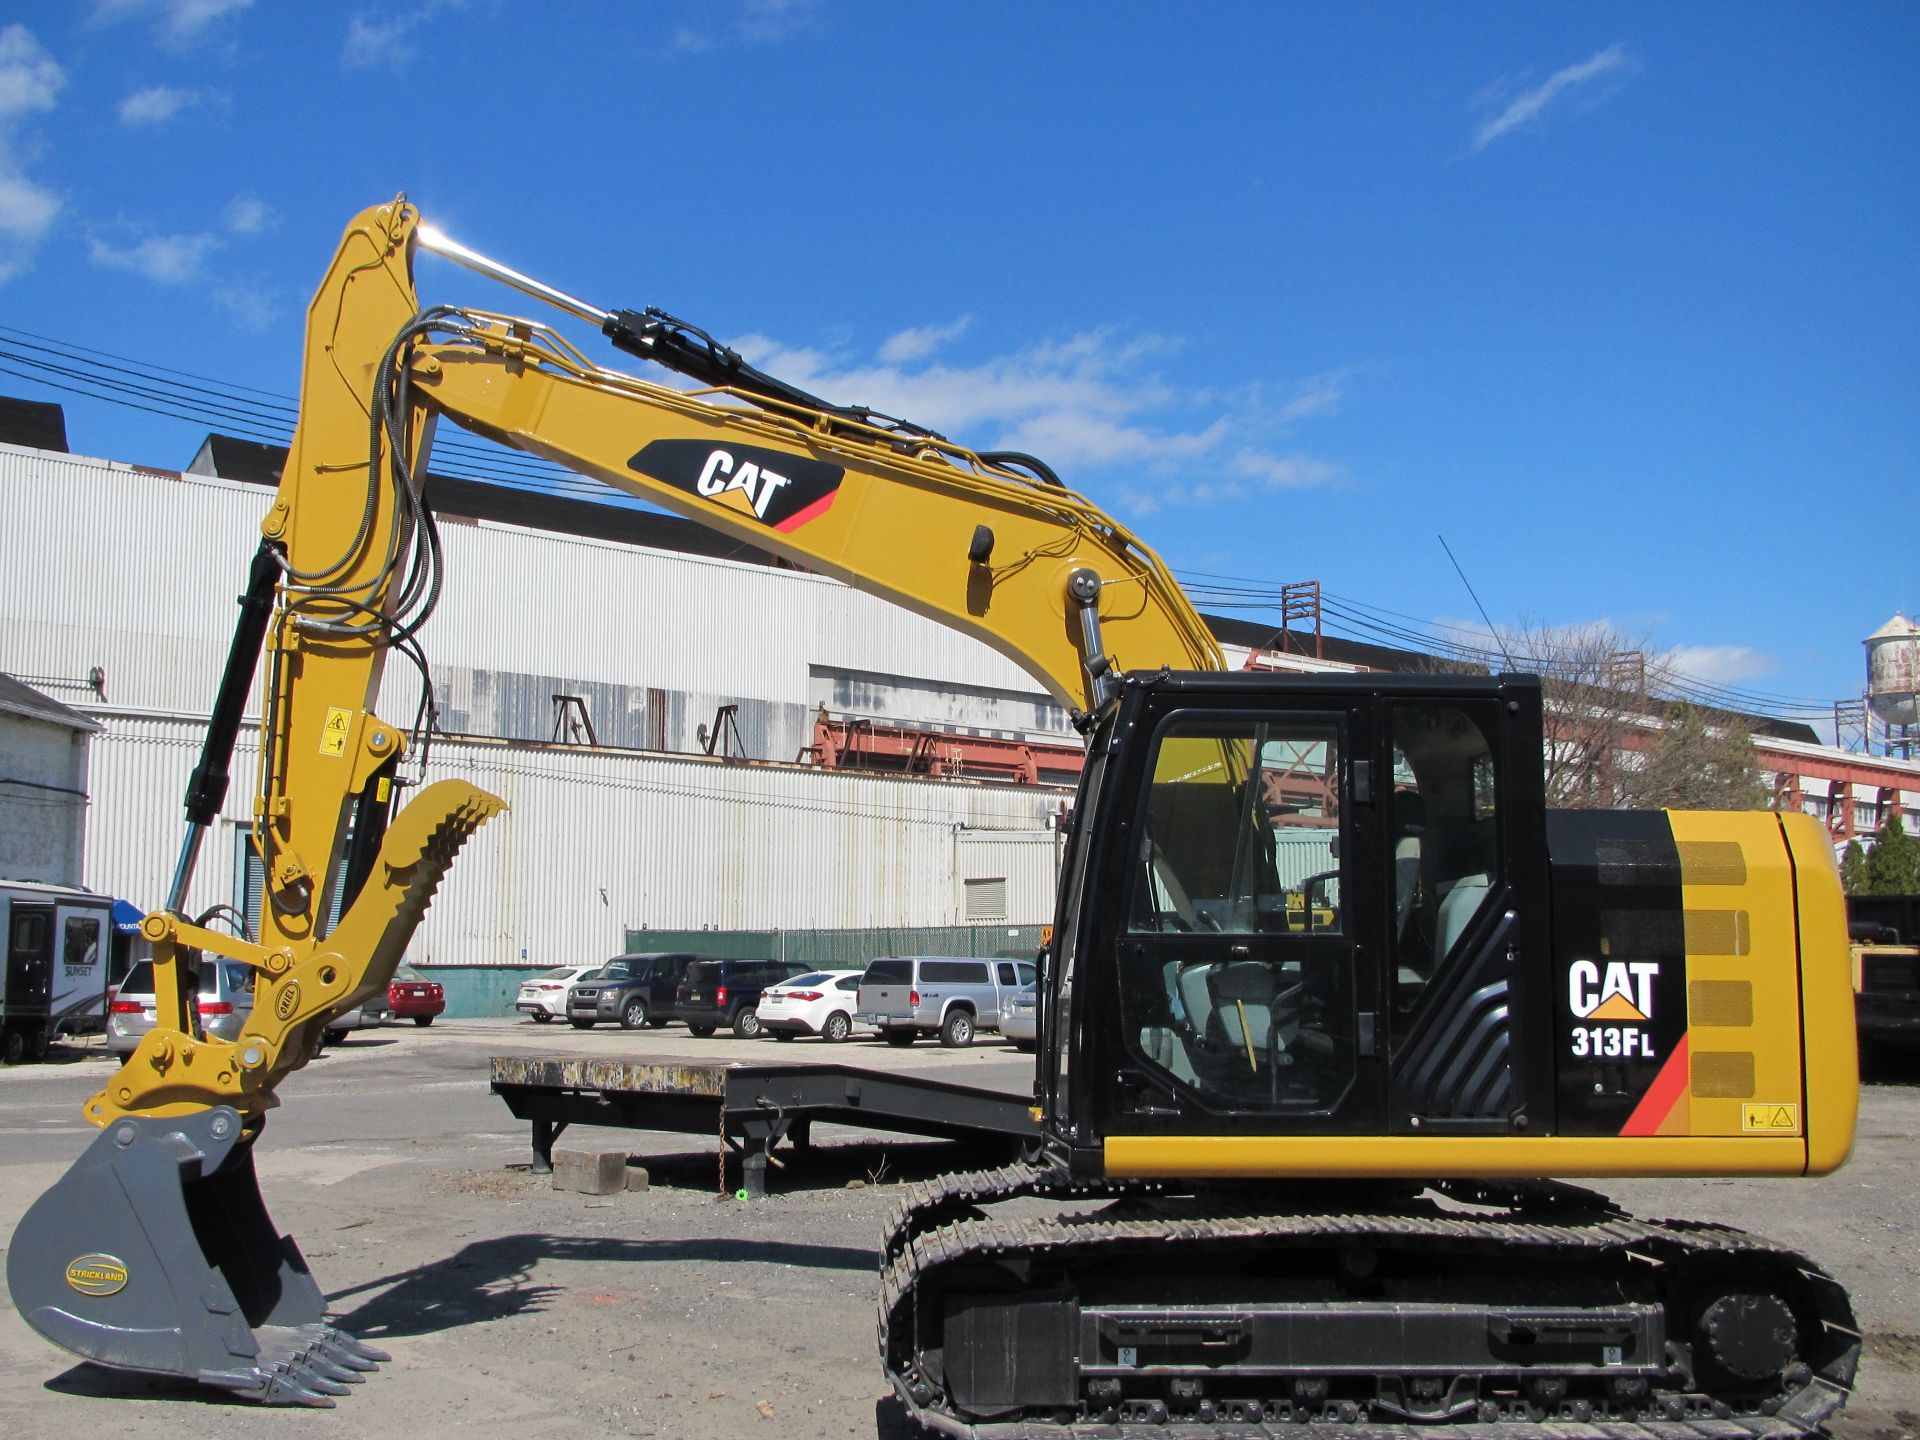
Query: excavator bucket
155, 1253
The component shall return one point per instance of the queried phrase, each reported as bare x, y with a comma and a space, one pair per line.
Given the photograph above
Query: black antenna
1511, 667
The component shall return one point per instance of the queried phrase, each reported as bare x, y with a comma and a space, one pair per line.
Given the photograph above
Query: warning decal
333, 734
1769, 1119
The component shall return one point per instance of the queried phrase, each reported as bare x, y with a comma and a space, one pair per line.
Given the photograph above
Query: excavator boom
109, 1262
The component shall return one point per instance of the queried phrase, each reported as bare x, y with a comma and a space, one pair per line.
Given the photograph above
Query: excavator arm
1009, 556
348, 571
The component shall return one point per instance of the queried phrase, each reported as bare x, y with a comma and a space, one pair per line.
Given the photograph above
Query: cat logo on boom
773, 487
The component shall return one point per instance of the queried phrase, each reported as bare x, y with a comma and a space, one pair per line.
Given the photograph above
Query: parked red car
414, 997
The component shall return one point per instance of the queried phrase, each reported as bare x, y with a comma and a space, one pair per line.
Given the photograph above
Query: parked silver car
224, 1002
1020, 1025
954, 997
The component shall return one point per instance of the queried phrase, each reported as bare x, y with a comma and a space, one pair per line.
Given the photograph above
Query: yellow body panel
1827, 1004
1416, 1157
1743, 968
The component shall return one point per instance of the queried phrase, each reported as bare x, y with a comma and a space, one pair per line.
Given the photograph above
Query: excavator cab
1301, 905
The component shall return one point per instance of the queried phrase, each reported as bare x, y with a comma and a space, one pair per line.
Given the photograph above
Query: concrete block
637, 1177
590, 1172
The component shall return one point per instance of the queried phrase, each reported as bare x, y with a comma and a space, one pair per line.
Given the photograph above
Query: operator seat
1458, 906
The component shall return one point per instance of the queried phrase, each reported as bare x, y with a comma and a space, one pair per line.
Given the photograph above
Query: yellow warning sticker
333, 734
1769, 1119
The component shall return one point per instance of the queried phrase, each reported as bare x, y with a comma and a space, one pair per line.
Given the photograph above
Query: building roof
1261, 635
18, 698
33, 423
250, 461
257, 464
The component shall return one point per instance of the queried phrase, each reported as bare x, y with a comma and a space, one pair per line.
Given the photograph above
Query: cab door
1247, 982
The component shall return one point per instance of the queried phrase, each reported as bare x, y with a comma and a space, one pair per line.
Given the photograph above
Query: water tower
1893, 680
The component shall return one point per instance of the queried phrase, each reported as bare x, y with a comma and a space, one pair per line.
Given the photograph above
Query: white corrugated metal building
133, 572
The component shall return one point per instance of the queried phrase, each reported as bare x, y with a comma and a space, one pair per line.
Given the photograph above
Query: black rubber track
942, 1223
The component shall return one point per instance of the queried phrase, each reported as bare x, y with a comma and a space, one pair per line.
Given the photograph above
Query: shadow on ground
493, 1279
828, 1165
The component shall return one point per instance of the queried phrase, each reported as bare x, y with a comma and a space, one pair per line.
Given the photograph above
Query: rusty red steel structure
857, 743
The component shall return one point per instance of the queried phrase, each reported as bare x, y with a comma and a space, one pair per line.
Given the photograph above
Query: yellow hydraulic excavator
1330, 992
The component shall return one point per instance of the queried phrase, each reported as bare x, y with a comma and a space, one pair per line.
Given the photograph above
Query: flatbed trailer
750, 1108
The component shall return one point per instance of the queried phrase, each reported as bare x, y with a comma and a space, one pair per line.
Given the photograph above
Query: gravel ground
512, 1308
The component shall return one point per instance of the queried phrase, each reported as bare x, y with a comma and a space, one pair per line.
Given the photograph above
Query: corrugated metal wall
533, 613
842, 949
597, 842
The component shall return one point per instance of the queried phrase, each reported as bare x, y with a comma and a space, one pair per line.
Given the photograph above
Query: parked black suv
725, 992
635, 990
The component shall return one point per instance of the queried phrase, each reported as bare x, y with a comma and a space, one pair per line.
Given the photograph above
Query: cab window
1444, 819
1236, 983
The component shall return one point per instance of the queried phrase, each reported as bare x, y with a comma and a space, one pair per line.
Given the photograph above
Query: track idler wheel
155, 1254
1747, 1336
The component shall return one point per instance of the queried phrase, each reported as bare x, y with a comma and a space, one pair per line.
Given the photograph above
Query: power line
268, 418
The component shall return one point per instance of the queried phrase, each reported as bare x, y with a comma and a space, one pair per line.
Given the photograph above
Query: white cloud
176, 259
1088, 401
248, 215
177, 23
386, 38
1316, 395
1284, 472
1718, 664
758, 22
156, 105
1531, 104
169, 259
764, 22
921, 341
380, 41
30, 81
250, 305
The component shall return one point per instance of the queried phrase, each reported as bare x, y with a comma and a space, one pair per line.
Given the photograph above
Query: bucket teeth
301, 1365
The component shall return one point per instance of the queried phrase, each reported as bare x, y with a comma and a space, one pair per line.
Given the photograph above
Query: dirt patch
1896, 1352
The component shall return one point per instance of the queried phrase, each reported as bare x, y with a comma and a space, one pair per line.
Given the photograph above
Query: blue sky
1621, 300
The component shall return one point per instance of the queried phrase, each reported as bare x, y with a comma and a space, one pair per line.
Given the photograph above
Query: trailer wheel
13, 1048
38, 1045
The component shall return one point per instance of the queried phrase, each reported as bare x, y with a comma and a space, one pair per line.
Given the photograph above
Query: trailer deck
750, 1108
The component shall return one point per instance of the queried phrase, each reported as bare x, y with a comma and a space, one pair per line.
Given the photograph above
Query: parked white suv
951, 996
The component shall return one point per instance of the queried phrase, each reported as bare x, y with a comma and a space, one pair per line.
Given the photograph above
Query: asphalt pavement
510, 1307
